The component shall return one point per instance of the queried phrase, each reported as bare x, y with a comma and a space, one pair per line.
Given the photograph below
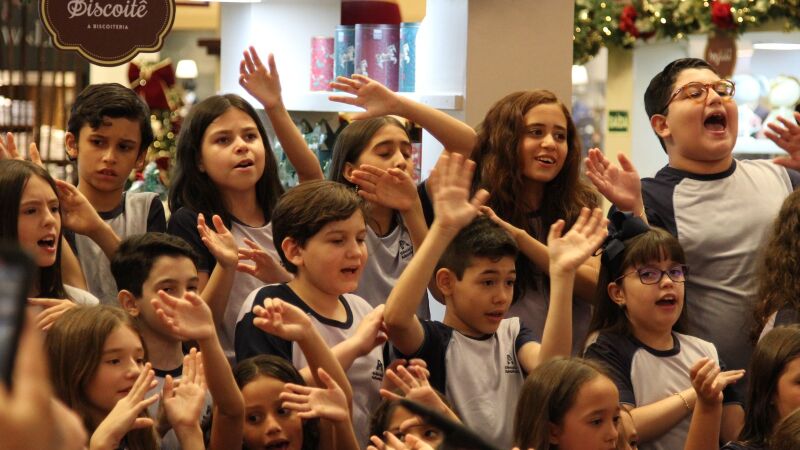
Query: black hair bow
623, 226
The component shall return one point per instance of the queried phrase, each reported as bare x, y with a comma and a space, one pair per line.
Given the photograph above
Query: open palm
391, 188
569, 251
375, 98
263, 84
621, 184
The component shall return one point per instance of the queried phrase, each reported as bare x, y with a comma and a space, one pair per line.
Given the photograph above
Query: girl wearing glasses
640, 322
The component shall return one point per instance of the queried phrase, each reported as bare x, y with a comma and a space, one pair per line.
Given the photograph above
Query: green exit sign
618, 121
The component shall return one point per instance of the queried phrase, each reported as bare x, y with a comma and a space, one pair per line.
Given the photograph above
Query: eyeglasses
651, 275
699, 91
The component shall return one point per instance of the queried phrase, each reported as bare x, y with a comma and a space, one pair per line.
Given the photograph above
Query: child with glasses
719, 208
641, 322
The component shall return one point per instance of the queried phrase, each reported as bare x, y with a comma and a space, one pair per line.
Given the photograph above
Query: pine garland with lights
621, 23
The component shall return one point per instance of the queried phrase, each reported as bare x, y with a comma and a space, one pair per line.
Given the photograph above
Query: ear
128, 302
659, 124
293, 251
71, 142
141, 159
445, 281
616, 293
348, 171
554, 433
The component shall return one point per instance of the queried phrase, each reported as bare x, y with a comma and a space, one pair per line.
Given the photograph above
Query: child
567, 404
475, 273
97, 363
702, 191
321, 230
641, 319
373, 153
225, 167
108, 133
777, 272
142, 266
772, 393
32, 208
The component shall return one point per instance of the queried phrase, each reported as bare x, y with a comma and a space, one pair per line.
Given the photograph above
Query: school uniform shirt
170, 440
644, 375
366, 373
183, 223
388, 257
783, 317
137, 213
721, 221
481, 376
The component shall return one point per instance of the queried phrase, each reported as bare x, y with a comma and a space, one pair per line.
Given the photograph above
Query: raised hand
391, 442
329, 403
569, 251
53, 308
621, 184
411, 366
187, 318
125, 415
8, 150
708, 381
449, 184
415, 387
263, 84
77, 214
787, 137
265, 267
371, 331
375, 98
219, 241
183, 404
391, 188
282, 319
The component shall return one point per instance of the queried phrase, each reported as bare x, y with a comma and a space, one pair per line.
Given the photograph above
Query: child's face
591, 423
108, 154
173, 274
543, 148
787, 394
120, 364
628, 437
651, 308
333, 259
479, 301
389, 148
690, 137
403, 423
267, 425
39, 223
233, 153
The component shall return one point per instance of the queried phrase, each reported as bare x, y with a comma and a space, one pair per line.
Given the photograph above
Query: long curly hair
499, 171
778, 278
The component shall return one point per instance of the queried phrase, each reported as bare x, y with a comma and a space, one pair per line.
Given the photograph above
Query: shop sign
108, 32
618, 121
721, 53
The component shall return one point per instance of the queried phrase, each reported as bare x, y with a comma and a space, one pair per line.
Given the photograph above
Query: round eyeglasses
698, 91
651, 275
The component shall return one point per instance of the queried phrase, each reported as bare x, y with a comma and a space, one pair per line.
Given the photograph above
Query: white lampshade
187, 68
579, 75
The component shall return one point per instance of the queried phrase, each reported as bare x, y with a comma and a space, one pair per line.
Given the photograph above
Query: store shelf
318, 101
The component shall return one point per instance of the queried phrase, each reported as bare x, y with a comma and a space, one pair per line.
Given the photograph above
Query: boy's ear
659, 124
348, 171
616, 294
293, 251
446, 281
128, 302
71, 142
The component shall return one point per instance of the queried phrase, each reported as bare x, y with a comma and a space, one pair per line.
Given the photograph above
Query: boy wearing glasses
718, 207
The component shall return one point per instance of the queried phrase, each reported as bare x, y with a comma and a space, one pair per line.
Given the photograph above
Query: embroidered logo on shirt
377, 374
406, 249
511, 363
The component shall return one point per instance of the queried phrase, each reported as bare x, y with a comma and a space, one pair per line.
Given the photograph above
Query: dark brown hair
482, 238
787, 433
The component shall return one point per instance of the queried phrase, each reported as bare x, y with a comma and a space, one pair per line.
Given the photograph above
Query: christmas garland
621, 23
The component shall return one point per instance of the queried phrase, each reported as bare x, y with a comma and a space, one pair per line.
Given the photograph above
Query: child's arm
787, 138
290, 323
708, 382
190, 318
265, 86
80, 216
566, 254
450, 185
393, 189
264, 266
329, 403
585, 276
455, 136
125, 415
222, 246
620, 185
183, 405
